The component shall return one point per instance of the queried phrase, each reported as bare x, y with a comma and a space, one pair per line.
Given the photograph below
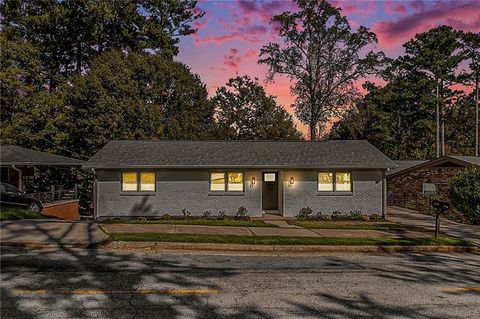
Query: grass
277, 240
355, 225
15, 213
197, 221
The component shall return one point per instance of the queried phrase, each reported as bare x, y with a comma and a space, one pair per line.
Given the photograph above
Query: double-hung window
334, 182
226, 181
138, 181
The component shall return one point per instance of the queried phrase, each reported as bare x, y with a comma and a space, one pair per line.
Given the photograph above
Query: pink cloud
363, 8
264, 10
232, 59
467, 17
392, 7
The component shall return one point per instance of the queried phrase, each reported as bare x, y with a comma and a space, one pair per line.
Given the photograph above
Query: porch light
252, 181
291, 181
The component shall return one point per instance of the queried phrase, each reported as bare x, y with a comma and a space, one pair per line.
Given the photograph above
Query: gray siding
190, 189
175, 190
366, 196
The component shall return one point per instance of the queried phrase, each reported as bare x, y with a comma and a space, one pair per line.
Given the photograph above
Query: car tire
34, 207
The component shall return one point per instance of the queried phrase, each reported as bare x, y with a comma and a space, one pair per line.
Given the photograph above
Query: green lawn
15, 213
277, 240
354, 225
197, 221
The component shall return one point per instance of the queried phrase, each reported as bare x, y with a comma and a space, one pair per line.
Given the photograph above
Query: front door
270, 191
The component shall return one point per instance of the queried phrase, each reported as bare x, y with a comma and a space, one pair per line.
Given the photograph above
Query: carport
20, 166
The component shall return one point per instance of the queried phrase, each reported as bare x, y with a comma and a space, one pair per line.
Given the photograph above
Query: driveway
50, 232
448, 227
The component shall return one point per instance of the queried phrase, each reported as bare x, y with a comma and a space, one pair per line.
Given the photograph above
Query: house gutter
384, 194
20, 179
95, 197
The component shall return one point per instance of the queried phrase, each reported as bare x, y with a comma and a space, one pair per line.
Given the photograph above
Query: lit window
147, 182
325, 182
217, 182
129, 182
269, 177
235, 182
343, 182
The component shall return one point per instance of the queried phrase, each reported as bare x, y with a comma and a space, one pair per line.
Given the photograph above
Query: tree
470, 42
132, 96
465, 193
245, 111
436, 53
398, 118
70, 33
324, 58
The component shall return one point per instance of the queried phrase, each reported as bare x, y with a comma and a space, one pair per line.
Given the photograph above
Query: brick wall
405, 190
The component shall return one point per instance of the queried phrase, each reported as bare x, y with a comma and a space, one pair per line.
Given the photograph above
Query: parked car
12, 196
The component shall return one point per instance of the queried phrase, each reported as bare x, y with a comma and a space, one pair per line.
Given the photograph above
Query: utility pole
477, 124
438, 121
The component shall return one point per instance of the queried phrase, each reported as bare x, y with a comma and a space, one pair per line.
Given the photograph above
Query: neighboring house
405, 182
152, 178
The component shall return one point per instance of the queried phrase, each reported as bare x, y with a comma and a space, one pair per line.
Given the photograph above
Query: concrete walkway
50, 232
448, 227
257, 231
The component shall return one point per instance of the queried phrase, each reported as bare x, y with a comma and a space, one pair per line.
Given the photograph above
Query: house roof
403, 165
17, 155
242, 154
406, 166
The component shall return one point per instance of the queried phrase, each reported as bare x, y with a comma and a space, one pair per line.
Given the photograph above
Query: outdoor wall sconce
252, 181
291, 182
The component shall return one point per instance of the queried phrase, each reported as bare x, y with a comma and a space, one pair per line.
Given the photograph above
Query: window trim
334, 182
225, 178
139, 183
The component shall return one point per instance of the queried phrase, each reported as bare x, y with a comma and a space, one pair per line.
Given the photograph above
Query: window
138, 181
235, 182
269, 177
147, 182
334, 181
325, 182
217, 182
226, 181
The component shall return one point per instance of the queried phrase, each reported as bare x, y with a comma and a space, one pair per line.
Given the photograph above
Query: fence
411, 201
52, 196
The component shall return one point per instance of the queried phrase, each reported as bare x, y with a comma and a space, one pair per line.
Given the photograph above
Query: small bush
325, 217
242, 211
365, 217
166, 216
222, 214
374, 217
186, 213
304, 212
337, 215
355, 215
465, 193
207, 214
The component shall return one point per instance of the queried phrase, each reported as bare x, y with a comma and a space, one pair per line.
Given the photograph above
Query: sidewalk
294, 231
409, 217
50, 232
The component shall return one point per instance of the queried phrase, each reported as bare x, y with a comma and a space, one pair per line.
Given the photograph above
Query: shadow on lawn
72, 269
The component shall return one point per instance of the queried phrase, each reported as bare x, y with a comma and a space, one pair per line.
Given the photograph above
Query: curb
159, 246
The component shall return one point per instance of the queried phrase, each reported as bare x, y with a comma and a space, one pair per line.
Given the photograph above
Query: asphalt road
76, 283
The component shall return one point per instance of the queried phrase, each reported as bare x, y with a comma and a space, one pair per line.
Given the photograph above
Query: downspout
20, 180
95, 197
384, 194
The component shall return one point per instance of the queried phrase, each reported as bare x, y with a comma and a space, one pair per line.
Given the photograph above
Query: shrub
304, 212
186, 213
207, 214
242, 211
166, 216
374, 217
324, 217
355, 215
337, 215
365, 217
222, 214
465, 193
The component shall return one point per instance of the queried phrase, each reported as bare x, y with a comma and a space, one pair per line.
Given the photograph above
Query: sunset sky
231, 33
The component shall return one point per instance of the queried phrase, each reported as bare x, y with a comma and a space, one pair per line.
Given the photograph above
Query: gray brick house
152, 178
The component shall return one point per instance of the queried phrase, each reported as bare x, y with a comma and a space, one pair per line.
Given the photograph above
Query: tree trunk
442, 118
437, 122
477, 124
313, 131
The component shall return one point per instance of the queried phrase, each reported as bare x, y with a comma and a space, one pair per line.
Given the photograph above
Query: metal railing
52, 196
